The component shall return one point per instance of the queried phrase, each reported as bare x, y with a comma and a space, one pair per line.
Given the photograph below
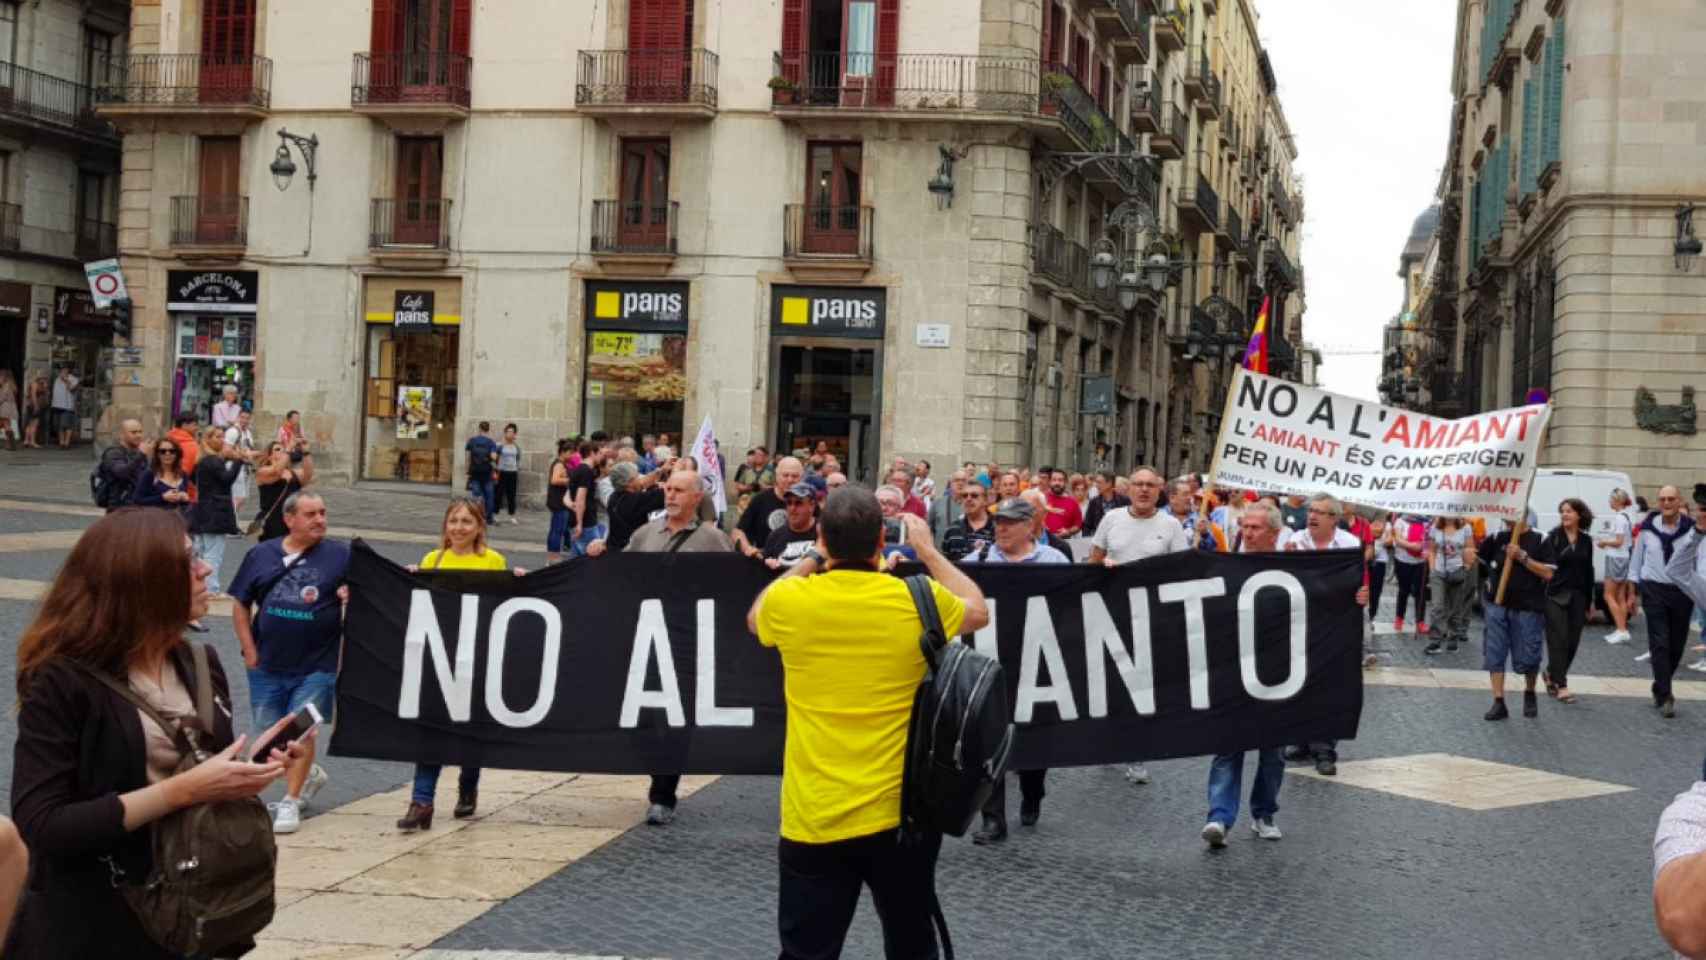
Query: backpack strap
680, 538
941, 926
935, 635
203, 692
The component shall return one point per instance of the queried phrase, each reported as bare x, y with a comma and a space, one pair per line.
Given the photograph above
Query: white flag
704, 453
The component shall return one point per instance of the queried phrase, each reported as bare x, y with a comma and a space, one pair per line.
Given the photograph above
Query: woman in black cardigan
1568, 593
84, 790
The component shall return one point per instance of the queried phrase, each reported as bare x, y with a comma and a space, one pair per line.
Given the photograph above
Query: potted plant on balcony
1053, 84
783, 90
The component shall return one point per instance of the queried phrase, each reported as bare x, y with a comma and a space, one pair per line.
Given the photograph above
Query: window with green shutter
1529, 177
1552, 112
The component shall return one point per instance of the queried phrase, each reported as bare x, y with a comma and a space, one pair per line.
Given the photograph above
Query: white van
1592, 487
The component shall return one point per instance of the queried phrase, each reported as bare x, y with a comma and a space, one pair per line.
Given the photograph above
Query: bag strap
203, 688
680, 538
941, 926
935, 636
180, 739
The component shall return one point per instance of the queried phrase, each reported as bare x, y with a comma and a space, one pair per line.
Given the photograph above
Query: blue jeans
1226, 777
588, 535
485, 489
561, 524
211, 548
426, 781
273, 695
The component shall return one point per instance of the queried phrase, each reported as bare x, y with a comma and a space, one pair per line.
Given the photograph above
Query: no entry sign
106, 282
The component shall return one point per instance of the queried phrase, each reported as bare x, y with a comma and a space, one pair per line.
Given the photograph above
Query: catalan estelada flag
1256, 354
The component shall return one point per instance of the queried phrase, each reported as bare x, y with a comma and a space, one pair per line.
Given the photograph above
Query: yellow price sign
613, 344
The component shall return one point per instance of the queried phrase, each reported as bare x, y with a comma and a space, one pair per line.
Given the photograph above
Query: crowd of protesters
175, 501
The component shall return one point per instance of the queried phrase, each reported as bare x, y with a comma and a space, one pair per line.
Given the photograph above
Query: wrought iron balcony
1281, 271
932, 83
11, 226
1202, 86
647, 81
1170, 141
96, 239
1203, 205
811, 230
210, 220
1121, 23
414, 83
1172, 24
37, 100
623, 227
1235, 229
1062, 262
152, 83
1146, 110
1065, 98
411, 224
1279, 201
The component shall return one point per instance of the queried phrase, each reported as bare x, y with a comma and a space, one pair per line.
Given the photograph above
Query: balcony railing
11, 226
1235, 227
210, 220
1281, 267
1064, 97
1202, 82
412, 79
816, 230
419, 224
1125, 11
1175, 124
1208, 202
185, 80
950, 83
621, 226
1064, 262
31, 95
641, 78
96, 239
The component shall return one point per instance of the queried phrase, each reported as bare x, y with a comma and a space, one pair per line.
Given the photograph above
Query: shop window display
636, 382
213, 352
411, 405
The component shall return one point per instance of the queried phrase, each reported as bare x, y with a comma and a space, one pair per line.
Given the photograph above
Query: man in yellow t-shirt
851, 664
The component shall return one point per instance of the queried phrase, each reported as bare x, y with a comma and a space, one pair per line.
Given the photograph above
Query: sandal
1551, 689
1565, 696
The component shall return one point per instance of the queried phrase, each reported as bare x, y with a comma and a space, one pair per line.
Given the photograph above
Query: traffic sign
106, 282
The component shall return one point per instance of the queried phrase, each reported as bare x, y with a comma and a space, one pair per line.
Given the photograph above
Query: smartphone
893, 532
302, 723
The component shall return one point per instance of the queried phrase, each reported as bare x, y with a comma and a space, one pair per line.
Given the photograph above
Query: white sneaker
317, 778
1265, 829
514, 520
1643, 658
286, 816
1214, 834
1138, 773
1617, 636
1699, 665
1694, 626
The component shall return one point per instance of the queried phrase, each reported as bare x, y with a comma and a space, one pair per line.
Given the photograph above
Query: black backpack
108, 491
961, 732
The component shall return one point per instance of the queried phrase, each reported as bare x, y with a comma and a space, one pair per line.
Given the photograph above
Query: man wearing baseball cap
1015, 542
788, 543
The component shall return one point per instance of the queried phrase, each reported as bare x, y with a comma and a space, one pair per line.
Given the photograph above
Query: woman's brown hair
124, 593
477, 510
154, 460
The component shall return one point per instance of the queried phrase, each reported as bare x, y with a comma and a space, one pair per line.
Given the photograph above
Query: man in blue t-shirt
287, 609
482, 468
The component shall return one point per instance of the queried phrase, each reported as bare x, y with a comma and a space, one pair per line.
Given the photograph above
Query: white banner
1280, 437
704, 453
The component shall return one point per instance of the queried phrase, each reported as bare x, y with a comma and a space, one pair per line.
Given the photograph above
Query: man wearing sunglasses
974, 529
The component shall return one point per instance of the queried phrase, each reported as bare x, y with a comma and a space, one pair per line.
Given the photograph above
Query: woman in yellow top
462, 547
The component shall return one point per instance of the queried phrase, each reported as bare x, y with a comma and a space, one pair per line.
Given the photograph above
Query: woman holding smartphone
462, 546
282, 472
90, 772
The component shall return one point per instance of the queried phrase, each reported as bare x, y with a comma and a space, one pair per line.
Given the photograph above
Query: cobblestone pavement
1415, 838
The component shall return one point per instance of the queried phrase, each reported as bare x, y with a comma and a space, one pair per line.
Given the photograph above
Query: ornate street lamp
1131, 285
1103, 262
1688, 245
283, 168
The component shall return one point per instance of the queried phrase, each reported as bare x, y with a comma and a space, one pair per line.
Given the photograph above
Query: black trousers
507, 483
1668, 610
1376, 586
1031, 792
663, 790
819, 891
1564, 623
1413, 582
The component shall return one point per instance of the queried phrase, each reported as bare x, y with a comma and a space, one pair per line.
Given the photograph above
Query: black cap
1017, 508
1700, 494
802, 490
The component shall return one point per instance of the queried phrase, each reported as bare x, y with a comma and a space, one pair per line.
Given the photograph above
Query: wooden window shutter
1048, 36
793, 40
1553, 125
385, 39
1528, 179
888, 50
461, 26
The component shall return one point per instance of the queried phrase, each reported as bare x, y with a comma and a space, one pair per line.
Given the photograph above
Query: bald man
122, 467
1668, 608
766, 512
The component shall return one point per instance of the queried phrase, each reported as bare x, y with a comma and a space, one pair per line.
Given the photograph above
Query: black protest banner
642, 663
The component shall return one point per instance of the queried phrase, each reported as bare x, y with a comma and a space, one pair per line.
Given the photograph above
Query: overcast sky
1366, 88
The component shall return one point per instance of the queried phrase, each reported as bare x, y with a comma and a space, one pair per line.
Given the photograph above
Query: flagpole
1522, 522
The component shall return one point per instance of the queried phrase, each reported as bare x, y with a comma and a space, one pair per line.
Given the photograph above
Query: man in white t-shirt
1136, 533
1321, 532
1141, 530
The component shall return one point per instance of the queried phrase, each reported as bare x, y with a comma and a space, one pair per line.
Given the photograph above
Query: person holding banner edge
1321, 532
462, 546
1515, 612
848, 638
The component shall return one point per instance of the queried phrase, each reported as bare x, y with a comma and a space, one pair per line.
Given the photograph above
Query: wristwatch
814, 556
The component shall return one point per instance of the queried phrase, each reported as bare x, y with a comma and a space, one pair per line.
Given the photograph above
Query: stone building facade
1577, 140
59, 181
863, 222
